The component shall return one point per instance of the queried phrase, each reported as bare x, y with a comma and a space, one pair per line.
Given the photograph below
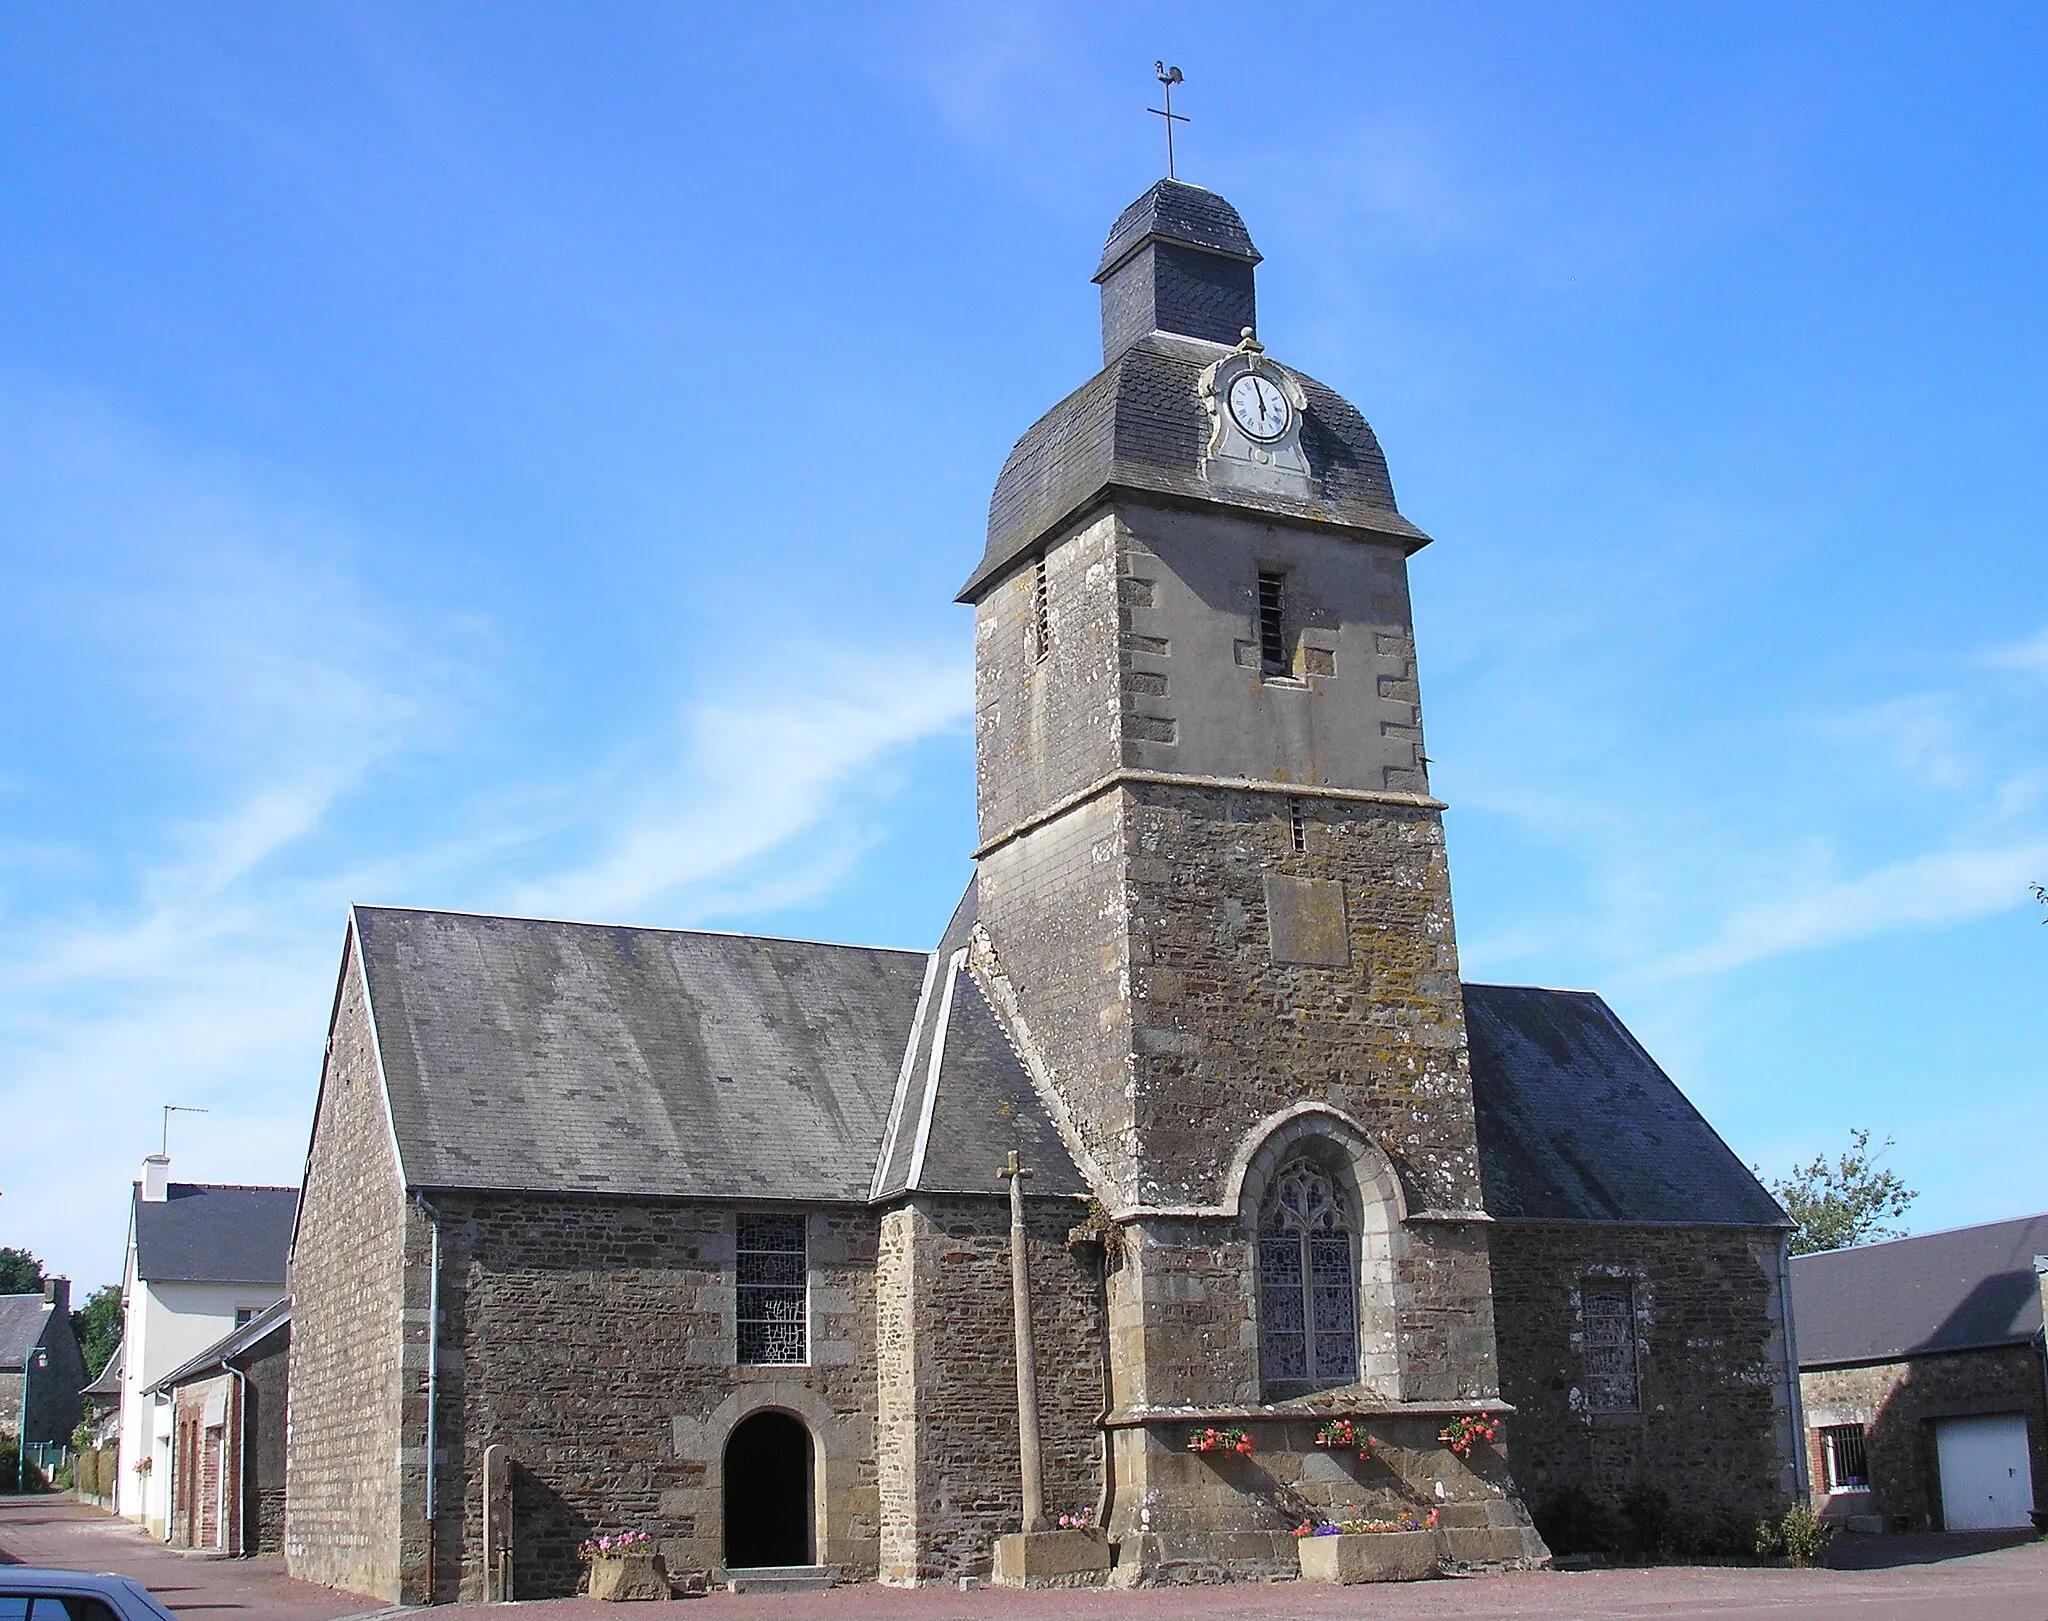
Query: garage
1986, 1480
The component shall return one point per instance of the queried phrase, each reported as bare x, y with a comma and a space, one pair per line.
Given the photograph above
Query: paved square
2005, 1584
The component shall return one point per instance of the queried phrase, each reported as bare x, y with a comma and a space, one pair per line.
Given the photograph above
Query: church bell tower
1214, 907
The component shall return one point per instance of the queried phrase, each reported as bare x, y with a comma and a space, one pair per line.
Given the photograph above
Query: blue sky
520, 458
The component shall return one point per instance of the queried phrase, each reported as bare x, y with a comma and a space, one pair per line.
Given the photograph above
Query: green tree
20, 1273
98, 1327
1846, 1202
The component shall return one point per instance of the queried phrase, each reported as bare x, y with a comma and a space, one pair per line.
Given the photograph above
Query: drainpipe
1105, 1501
433, 1382
1795, 1415
241, 1466
2041, 1281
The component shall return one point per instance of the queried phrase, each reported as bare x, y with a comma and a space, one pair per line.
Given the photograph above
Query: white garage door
1985, 1479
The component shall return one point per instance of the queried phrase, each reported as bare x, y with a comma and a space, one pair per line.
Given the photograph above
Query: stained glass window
773, 1273
1308, 1281
1609, 1305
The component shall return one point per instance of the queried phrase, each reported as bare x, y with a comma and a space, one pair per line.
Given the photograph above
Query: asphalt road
1938, 1579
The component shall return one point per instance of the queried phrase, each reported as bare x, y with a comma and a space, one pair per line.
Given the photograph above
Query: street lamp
37, 1358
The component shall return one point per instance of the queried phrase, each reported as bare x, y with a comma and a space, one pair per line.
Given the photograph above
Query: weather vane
1168, 78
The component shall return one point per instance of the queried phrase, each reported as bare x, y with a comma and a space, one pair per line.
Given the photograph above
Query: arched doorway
768, 1492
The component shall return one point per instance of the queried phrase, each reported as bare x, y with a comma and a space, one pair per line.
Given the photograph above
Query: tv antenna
169, 1110
1168, 78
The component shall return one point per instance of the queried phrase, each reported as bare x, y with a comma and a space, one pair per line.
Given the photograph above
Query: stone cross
1028, 1442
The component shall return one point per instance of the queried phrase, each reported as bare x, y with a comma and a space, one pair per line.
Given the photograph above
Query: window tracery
1308, 1280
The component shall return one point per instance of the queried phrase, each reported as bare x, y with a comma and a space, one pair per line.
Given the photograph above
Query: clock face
1258, 406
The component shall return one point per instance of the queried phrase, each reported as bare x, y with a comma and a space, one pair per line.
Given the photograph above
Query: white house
202, 1260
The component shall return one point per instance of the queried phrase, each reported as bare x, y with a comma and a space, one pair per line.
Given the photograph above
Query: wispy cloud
2030, 655
262, 744
1929, 891
754, 773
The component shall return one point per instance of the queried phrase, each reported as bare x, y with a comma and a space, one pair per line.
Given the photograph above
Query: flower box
1368, 1556
622, 1578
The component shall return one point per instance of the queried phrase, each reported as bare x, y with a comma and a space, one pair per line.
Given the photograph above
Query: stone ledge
1127, 1418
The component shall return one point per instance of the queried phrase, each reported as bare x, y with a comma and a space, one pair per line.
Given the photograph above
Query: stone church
708, 1236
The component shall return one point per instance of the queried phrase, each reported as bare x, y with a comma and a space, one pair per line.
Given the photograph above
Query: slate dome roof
1138, 426
1174, 211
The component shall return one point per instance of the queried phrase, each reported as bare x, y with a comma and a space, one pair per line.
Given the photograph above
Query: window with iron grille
1272, 624
1847, 1461
1308, 1282
773, 1274
1612, 1381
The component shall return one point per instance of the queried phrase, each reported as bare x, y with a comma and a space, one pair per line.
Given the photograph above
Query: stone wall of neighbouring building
343, 1514
1709, 1426
266, 1392
1898, 1403
595, 1339
949, 1380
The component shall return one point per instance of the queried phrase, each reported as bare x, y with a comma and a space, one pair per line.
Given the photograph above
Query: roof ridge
1915, 1238
636, 928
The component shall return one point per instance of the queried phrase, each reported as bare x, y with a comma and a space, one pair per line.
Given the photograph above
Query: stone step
781, 1578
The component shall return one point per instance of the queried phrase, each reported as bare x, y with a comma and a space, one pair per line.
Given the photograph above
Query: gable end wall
342, 1462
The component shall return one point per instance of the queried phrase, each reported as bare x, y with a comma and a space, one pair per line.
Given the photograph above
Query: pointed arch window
1308, 1281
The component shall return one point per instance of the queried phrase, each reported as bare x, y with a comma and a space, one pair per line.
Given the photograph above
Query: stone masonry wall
1898, 1403
1052, 903
968, 1485
1227, 1035
595, 1339
1705, 1430
1045, 728
343, 1512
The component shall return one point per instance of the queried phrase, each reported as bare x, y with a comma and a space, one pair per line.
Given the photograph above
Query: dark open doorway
768, 1492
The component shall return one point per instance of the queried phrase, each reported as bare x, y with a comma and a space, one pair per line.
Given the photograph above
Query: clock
1258, 406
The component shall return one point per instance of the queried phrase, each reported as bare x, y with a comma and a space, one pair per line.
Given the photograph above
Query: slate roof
1967, 1289
1577, 1122
109, 1381
275, 1316
957, 1115
22, 1318
214, 1233
1139, 426
570, 1057
522, 1055
1174, 211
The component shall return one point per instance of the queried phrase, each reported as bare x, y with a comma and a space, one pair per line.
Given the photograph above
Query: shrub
1649, 1526
1570, 1521
1802, 1535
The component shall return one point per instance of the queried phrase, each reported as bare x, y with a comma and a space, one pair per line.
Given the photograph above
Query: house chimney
156, 1178
57, 1295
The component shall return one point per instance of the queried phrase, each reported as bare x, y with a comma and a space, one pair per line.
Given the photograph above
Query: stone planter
1051, 1559
1368, 1556
636, 1576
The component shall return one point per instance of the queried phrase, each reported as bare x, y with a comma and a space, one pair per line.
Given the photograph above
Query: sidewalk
66, 1534
2007, 1584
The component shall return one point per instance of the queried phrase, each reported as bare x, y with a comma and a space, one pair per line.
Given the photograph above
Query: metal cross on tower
1168, 78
